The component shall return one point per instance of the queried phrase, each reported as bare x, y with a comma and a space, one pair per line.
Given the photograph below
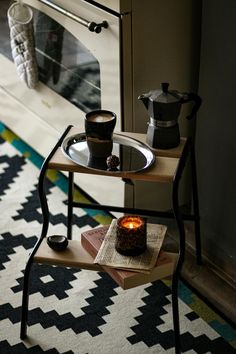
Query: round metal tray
134, 156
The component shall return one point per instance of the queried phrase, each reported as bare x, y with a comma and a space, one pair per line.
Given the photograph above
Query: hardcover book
92, 240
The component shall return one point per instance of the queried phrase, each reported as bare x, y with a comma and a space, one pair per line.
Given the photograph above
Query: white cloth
20, 19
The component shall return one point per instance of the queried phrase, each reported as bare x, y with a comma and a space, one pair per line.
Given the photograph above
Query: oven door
79, 72
79, 69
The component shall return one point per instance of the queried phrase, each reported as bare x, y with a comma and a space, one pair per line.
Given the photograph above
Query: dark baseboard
214, 288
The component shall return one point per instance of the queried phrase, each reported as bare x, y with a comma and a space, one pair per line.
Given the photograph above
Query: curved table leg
45, 214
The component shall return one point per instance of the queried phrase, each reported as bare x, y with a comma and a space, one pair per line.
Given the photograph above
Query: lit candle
131, 223
131, 235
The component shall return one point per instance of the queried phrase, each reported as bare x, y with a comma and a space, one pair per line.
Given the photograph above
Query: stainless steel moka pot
163, 108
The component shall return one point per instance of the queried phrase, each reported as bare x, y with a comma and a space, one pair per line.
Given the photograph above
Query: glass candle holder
131, 235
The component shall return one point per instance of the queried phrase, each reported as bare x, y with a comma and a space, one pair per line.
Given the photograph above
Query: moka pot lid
164, 95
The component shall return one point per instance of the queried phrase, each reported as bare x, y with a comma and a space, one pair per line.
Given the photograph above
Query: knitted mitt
20, 19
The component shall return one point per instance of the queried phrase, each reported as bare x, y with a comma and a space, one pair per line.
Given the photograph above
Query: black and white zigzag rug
78, 311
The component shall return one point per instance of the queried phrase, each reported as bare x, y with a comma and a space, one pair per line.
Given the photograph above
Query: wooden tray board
74, 256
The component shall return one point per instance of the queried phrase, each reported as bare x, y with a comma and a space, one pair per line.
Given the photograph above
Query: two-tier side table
168, 168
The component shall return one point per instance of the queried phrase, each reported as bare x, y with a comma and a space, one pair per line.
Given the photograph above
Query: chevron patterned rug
74, 311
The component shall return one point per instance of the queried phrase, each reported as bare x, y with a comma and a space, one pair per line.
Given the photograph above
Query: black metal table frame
188, 150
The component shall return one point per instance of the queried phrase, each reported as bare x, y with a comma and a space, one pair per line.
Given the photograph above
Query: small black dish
57, 242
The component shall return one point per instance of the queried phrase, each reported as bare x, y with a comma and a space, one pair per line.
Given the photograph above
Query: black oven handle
92, 26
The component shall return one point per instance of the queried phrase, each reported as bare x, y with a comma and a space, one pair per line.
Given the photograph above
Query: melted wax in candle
132, 224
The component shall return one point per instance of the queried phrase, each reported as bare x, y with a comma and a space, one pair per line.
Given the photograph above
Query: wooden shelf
163, 169
74, 256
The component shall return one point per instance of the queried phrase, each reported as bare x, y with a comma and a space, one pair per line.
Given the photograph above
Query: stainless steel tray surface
134, 156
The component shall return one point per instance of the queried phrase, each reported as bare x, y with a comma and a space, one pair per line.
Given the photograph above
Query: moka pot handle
187, 97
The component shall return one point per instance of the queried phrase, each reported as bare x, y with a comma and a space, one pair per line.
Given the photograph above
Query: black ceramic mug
99, 127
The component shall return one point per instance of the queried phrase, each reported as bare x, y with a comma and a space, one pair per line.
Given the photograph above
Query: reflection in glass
5, 47
66, 65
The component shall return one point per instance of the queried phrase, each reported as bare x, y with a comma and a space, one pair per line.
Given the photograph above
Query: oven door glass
5, 49
66, 65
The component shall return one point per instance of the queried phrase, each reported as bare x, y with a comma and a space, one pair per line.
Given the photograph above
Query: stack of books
130, 271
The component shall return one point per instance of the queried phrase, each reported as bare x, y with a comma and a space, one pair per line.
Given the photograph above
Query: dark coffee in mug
99, 127
100, 118
100, 124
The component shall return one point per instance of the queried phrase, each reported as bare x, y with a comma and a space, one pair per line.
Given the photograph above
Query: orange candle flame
131, 223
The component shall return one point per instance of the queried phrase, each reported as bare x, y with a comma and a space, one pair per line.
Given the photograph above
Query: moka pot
164, 108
